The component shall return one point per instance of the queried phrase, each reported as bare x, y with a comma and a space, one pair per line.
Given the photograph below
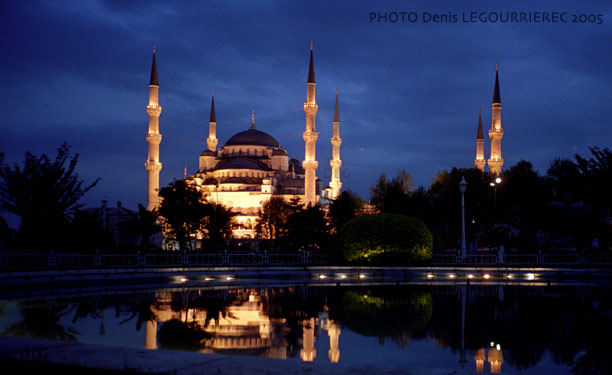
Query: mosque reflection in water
243, 327
480, 328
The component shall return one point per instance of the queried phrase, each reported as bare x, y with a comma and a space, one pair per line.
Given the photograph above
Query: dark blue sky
409, 92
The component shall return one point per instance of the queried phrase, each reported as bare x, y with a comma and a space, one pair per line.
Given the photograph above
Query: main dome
252, 137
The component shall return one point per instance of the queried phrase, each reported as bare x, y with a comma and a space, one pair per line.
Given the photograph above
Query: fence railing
525, 259
77, 261
64, 261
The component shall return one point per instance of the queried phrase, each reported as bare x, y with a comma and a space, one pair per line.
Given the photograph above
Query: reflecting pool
481, 329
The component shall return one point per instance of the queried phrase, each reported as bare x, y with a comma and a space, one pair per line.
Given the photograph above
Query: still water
477, 328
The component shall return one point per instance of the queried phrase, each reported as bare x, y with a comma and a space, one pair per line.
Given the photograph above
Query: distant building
251, 167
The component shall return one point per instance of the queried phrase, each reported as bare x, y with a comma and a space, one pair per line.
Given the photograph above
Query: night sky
409, 92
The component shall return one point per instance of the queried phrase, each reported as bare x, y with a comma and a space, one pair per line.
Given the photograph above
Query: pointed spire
154, 80
213, 117
479, 135
311, 74
496, 96
252, 127
336, 113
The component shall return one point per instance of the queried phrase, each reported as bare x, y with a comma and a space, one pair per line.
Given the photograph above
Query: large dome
252, 137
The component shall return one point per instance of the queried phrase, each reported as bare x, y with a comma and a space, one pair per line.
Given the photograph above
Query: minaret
153, 138
310, 163
480, 161
212, 140
496, 132
335, 162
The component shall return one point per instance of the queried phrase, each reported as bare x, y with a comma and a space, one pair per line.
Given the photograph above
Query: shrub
385, 239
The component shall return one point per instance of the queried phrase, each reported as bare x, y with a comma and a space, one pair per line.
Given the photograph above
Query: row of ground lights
184, 279
340, 276
469, 276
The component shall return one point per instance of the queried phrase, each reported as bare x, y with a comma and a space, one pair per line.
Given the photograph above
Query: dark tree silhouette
184, 209
43, 193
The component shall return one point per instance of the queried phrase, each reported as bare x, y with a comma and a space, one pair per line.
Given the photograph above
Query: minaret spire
480, 161
496, 132
154, 80
335, 162
212, 140
153, 137
311, 73
310, 163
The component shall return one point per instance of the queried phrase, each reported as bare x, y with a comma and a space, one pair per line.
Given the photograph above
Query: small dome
279, 151
252, 137
207, 153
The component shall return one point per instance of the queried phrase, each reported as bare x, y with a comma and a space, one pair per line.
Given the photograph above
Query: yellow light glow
531, 276
229, 278
343, 276
430, 275
362, 276
486, 276
509, 276
183, 279
322, 277
208, 279
470, 276
452, 276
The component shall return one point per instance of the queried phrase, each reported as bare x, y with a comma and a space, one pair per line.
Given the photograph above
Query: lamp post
462, 188
494, 184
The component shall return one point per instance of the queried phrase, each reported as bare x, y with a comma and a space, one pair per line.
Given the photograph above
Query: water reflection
488, 329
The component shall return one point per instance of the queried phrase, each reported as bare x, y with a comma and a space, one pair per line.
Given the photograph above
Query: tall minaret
335, 162
212, 140
496, 132
153, 138
480, 161
310, 163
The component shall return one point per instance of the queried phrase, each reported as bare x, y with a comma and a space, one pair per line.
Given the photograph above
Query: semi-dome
252, 137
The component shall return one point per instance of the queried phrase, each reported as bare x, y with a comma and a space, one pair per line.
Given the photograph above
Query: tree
144, 224
272, 216
393, 196
344, 208
307, 228
184, 209
385, 239
43, 193
218, 225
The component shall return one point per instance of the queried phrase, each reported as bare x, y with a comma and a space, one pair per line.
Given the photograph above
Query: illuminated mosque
251, 167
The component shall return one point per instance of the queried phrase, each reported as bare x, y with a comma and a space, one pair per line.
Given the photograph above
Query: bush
385, 239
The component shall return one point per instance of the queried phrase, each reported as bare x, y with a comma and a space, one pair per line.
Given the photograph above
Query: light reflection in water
486, 328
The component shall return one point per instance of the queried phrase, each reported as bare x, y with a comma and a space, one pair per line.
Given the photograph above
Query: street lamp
494, 184
462, 188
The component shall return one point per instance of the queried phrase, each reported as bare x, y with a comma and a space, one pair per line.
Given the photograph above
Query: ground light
452, 276
470, 276
343, 276
229, 278
322, 277
429, 275
531, 276
509, 277
209, 278
362, 276
183, 279
486, 276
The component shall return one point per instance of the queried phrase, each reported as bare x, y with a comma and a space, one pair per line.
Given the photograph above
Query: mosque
251, 167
